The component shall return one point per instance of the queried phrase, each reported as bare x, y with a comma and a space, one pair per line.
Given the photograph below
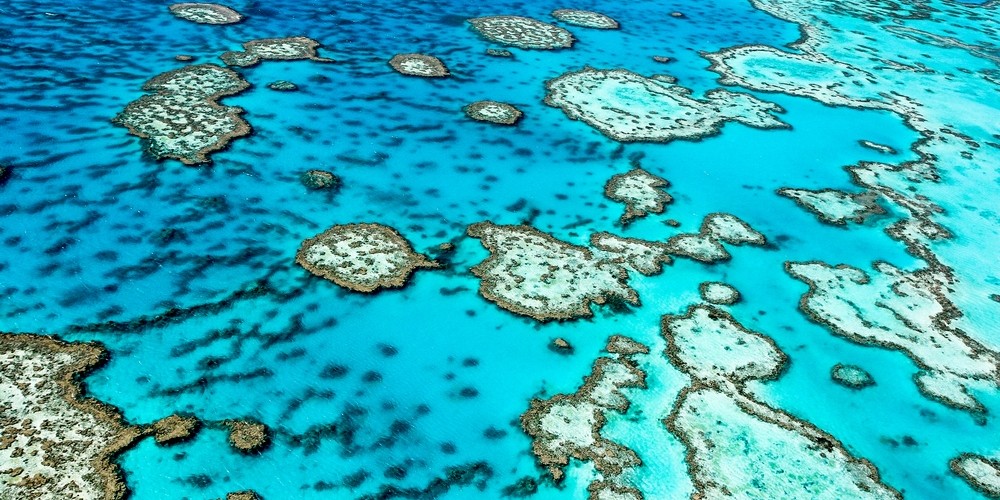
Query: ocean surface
193, 267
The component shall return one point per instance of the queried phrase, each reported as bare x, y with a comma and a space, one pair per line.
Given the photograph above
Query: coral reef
864, 70
522, 32
569, 426
320, 179
851, 376
585, 18
716, 228
361, 257
533, 274
836, 207
718, 293
982, 473
640, 191
419, 65
243, 495
642, 256
56, 443
205, 13
628, 107
737, 445
881, 148
181, 117
174, 429
499, 113
561, 346
905, 311
248, 436
274, 49
282, 85
499, 52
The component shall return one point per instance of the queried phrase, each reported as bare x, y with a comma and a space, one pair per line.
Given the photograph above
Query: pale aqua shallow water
83, 204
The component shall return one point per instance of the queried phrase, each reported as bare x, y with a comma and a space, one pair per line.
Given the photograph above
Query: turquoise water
436, 377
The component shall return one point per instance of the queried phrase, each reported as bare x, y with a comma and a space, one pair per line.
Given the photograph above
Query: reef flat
361, 257
641, 192
418, 65
836, 207
900, 310
629, 107
182, 119
569, 426
522, 32
206, 13
56, 442
716, 229
737, 445
531, 273
294, 48
585, 18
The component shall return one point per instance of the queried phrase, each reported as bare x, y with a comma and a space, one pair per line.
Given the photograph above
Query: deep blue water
80, 216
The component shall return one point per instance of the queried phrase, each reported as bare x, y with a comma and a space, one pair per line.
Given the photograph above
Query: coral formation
640, 191
320, 179
533, 274
561, 346
836, 207
716, 228
851, 376
282, 85
569, 426
274, 49
645, 257
863, 70
905, 311
629, 107
174, 429
738, 446
56, 443
881, 148
248, 436
982, 473
361, 257
499, 113
205, 13
585, 18
718, 293
522, 32
243, 495
419, 65
181, 118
